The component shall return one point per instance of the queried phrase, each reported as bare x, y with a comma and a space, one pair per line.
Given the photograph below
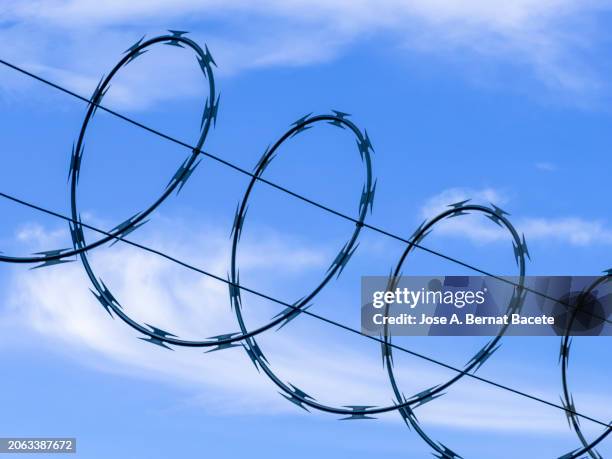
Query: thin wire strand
282, 188
283, 303
296, 195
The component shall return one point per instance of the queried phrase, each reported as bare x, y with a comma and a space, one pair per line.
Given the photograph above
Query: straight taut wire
300, 197
280, 187
302, 311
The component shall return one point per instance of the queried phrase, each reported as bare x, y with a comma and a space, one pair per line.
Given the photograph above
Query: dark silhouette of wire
307, 312
276, 186
160, 337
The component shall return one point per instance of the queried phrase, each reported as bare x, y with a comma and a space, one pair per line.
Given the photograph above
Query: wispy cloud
56, 307
567, 229
576, 231
548, 37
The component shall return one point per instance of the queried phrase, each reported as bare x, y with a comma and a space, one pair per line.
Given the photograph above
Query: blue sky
508, 104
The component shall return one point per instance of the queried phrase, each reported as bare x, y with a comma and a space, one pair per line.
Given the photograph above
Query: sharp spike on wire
446, 453
427, 396
52, 253
254, 353
156, 341
222, 346
459, 204
134, 46
482, 356
341, 116
176, 34
125, 228
291, 312
358, 412
234, 291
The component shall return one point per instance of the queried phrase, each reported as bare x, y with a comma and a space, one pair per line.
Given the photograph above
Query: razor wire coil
246, 338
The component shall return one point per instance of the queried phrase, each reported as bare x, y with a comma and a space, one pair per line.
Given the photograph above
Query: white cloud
573, 230
36, 234
476, 230
85, 38
55, 306
576, 231
440, 202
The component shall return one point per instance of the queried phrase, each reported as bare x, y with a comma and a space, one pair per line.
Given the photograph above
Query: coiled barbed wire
245, 337
567, 397
405, 404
